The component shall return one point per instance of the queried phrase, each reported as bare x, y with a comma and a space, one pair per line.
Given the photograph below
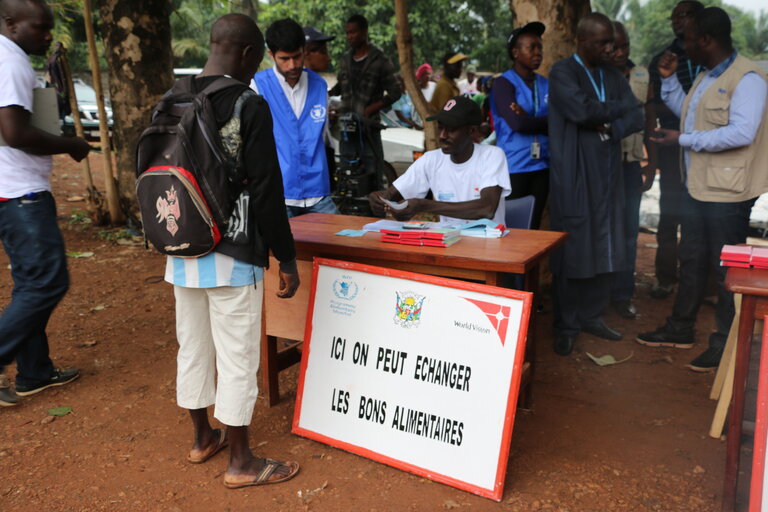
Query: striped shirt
211, 271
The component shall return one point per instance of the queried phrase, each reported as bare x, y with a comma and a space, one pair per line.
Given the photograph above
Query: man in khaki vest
723, 136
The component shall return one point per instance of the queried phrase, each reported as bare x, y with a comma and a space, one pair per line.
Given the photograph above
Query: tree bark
246, 7
137, 42
560, 17
404, 40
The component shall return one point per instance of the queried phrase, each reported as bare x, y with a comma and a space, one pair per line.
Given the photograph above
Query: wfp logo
408, 308
317, 113
345, 289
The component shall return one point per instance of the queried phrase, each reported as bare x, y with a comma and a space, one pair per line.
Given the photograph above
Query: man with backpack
298, 100
219, 294
28, 229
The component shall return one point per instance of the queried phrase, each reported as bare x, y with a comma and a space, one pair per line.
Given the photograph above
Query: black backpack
187, 184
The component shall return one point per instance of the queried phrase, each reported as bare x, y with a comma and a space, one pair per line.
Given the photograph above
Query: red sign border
497, 491
761, 428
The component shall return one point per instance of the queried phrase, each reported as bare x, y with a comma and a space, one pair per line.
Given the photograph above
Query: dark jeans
34, 245
325, 205
579, 302
535, 183
705, 228
672, 192
623, 286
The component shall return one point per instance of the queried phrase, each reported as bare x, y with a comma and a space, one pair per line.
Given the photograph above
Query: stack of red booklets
435, 237
744, 256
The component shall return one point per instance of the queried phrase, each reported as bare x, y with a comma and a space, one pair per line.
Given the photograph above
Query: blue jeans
325, 205
34, 245
623, 286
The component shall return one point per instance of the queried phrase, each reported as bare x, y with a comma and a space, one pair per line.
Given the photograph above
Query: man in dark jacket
219, 296
591, 108
367, 84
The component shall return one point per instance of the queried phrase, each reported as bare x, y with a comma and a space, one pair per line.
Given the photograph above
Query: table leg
531, 284
736, 416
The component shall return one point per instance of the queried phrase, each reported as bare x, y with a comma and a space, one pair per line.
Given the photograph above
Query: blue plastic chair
518, 213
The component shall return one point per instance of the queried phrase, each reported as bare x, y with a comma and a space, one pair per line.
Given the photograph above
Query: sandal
264, 476
212, 449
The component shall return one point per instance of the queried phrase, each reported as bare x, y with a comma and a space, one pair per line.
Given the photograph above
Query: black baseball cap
312, 35
459, 111
535, 27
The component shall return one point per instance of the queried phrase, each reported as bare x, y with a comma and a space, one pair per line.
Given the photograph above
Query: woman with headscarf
424, 78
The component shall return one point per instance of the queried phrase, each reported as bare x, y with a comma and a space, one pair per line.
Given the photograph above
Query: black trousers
535, 183
672, 192
705, 228
578, 302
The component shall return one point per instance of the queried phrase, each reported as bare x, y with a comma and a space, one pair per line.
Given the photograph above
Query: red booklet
736, 253
737, 264
759, 256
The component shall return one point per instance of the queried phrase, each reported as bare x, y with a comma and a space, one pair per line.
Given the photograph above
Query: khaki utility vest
736, 174
632, 145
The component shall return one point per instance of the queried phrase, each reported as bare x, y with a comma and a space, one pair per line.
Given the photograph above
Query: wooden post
93, 198
113, 203
404, 39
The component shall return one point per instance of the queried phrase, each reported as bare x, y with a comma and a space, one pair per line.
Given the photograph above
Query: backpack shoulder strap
221, 83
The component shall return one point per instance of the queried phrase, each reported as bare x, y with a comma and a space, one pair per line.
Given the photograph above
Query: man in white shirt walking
28, 229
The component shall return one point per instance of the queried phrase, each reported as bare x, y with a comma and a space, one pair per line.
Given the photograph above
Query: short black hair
715, 23
696, 6
285, 35
359, 20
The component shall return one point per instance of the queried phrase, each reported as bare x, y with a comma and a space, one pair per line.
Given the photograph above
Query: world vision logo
497, 314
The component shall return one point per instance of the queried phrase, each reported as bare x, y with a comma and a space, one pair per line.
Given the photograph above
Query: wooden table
753, 285
479, 259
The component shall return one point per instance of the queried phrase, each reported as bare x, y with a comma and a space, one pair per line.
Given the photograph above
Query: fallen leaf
608, 359
59, 411
75, 199
99, 307
449, 504
47, 419
78, 254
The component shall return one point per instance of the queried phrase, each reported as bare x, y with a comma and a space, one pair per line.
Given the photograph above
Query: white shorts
219, 330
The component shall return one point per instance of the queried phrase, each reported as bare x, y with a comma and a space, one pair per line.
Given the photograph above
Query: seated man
468, 181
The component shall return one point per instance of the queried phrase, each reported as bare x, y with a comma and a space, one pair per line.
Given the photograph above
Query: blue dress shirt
744, 117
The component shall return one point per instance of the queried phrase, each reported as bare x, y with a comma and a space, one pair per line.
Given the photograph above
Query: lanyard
599, 91
535, 97
690, 71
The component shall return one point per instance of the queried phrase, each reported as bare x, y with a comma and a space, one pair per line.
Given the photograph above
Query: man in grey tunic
591, 109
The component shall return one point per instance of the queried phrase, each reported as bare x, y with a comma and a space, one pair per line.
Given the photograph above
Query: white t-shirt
20, 173
453, 183
468, 88
429, 90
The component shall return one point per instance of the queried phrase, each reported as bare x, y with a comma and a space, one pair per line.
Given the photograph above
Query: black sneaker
60, 377
662, 337
661, 292
7, 397
707, 360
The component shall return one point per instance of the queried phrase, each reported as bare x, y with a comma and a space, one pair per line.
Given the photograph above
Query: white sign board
418, 372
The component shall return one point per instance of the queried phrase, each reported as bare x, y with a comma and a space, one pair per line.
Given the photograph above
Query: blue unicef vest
517, 146
300, 147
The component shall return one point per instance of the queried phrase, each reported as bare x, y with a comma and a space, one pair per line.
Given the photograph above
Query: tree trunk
137, 41
246, 7
560, 18
404, 40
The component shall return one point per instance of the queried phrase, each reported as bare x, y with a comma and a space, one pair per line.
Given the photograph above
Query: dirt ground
631, 437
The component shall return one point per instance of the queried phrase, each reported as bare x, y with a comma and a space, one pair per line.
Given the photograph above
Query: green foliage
650, 31
478, 28
614, 9
191, 26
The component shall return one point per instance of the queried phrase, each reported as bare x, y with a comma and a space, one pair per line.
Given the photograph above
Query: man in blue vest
298, 99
